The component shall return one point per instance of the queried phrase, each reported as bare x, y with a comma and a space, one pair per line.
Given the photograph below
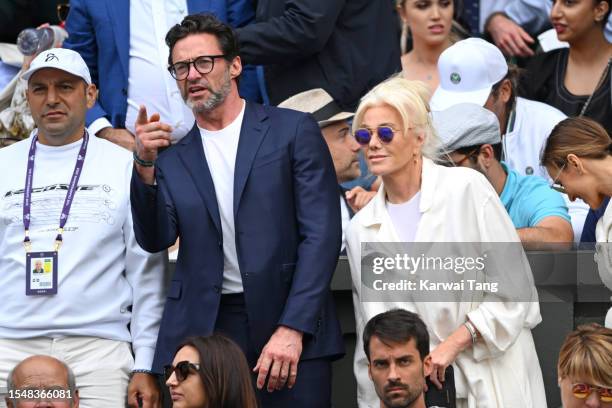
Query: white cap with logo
60, 58
468, 70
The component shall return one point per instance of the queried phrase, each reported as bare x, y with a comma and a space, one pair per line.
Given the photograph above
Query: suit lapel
254, 129
119, 12
192, 155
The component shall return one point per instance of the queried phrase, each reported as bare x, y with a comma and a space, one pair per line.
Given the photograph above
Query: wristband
468, 325
143, 163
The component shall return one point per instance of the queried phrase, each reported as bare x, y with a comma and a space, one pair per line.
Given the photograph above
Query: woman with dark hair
578, 158
210, 372
576, 80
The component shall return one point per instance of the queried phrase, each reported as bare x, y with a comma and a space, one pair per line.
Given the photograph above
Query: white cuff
97, 125
143, 358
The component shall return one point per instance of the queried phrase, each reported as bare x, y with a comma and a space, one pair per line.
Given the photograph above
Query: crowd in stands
266, 139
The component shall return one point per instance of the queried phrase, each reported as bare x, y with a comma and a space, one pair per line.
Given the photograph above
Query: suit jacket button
217, 289
124, 91
220, 244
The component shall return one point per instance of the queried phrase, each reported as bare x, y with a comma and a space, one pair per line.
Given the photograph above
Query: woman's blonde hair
580, 136
409, 99
587, 353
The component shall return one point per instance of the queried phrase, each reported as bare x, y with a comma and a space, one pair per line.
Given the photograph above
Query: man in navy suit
122, 44
252, 190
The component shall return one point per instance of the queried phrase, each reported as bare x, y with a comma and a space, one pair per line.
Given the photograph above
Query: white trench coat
457, 205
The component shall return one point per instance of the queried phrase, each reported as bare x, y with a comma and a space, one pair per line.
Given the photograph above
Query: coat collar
376, 213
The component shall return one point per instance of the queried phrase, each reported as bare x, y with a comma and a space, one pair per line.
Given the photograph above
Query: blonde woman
585, 367
489, 344
429, 24
578, 158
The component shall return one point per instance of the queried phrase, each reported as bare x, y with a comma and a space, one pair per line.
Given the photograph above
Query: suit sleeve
301, 31
318, 218
82, 39
153, 212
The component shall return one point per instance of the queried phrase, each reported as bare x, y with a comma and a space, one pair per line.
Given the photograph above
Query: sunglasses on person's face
182, 370
582, 391
364, 135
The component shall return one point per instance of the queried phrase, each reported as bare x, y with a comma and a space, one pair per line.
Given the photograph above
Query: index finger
142, 116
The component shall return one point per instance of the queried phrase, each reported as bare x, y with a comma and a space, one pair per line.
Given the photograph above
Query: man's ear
91, 92
370, 370
75, 399
487, 155
235, 67
505, 91
427, 366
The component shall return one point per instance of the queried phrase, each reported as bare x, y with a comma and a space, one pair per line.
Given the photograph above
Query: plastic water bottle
34, 40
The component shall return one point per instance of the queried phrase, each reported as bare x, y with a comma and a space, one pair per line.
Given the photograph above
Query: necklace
601, 79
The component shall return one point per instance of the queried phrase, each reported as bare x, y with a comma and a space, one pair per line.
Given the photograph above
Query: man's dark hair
513, 75
473, 151
204, 24
397, 326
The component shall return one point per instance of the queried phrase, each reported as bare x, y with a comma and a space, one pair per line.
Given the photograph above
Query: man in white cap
475, 71
336, 130
73, 216
471, 137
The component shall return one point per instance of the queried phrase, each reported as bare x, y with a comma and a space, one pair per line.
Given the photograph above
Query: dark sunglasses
182, 370
364, 135
582, 391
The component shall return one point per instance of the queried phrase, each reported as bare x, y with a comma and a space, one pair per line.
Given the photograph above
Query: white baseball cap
60, 58
468, 70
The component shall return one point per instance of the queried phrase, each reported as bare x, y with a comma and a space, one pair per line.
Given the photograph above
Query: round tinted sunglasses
364, 135
582, 391
182, 370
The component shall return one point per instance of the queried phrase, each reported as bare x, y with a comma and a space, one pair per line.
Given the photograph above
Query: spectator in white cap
471, 137
336, 130
475, 71
100, 295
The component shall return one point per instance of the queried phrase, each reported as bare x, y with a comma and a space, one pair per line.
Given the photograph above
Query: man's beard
411, 395
215, 99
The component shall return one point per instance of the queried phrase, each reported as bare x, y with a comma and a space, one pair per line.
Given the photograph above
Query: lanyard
27, 194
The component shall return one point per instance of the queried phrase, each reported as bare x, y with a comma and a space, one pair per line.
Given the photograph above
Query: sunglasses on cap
364, 135
582, 391
182, 370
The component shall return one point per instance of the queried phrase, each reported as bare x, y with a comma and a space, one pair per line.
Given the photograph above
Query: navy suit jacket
100, 31
287, 225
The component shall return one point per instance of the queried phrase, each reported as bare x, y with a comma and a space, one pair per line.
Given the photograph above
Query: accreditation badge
41, 273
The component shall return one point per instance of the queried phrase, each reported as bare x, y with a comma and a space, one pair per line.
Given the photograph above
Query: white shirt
102, 269
149, 82
220, 148
524, 142
406, 217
